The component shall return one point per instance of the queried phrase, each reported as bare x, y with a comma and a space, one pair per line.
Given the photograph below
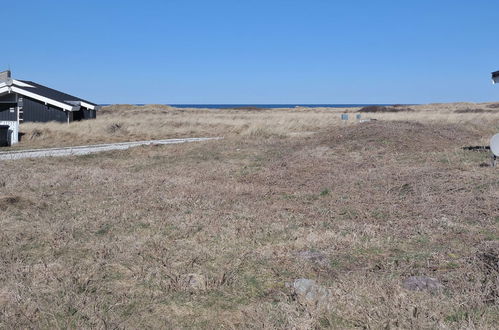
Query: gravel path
84, 150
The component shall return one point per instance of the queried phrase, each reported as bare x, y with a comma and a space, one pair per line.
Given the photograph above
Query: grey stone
194, 281
422, 283
308, 292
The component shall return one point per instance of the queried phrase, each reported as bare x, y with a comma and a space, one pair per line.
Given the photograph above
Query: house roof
46, 94
52, 93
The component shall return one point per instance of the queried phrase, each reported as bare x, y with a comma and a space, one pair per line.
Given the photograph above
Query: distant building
24, 101
495, 77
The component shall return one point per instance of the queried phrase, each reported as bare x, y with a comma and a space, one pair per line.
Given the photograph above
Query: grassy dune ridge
210, 234
118, 123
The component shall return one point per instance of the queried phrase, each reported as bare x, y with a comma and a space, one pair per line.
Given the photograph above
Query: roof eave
64, 106
21, 84
88, 105
4, 89
83, 104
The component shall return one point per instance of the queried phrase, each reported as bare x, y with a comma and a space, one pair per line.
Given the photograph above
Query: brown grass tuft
115, 128
14, 202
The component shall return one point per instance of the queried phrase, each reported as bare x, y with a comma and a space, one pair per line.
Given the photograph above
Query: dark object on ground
422, 283
4, 135
380, 108
14, 201
493, 105
477, 148
20, 136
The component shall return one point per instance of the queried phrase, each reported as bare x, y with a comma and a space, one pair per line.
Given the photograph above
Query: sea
266, 106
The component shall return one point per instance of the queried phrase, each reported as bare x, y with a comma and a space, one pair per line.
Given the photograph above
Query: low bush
475, 111
382, 108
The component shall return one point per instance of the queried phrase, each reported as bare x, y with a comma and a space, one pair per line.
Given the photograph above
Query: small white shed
13, 131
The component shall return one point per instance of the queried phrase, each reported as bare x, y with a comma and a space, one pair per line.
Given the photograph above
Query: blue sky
255, 51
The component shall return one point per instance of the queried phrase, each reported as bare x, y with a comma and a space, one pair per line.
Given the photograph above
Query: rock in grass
422, 283
194, 282
309, 293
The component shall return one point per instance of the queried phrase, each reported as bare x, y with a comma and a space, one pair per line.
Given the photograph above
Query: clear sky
256, 51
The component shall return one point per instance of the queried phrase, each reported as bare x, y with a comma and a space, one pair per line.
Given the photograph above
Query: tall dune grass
119, 123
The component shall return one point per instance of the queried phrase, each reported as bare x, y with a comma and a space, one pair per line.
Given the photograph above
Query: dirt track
84, 150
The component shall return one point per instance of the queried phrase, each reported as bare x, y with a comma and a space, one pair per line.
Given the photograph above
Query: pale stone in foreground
308, 292
422, 283
194, 281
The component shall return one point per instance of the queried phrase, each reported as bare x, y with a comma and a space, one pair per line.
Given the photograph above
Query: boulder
311, 294
194, 282
422, 283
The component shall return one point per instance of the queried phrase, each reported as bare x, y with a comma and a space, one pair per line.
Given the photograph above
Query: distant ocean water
265, 106
269, 106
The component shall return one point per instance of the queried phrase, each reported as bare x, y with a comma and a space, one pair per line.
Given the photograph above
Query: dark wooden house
26, 101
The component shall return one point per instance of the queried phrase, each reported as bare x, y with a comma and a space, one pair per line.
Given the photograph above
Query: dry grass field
214, 234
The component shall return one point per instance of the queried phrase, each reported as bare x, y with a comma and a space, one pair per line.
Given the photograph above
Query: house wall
90, 114
7, 102
84, 114
34, 110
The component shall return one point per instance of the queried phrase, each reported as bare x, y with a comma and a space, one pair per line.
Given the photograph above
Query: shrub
381, 108
474, 111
